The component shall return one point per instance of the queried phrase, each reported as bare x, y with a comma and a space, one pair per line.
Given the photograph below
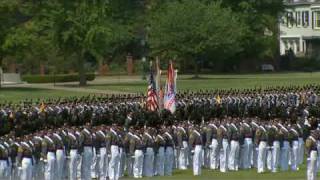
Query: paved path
73, 86
65, 88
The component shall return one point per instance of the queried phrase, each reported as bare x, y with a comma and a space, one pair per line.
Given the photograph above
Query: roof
301, 2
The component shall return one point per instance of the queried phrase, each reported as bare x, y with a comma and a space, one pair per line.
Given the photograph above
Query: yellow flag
218, 99
42, 107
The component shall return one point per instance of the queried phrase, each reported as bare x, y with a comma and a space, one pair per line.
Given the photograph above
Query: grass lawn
17, 94
207, 82
240, 175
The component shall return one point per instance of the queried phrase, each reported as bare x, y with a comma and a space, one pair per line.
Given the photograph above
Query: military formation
107, 137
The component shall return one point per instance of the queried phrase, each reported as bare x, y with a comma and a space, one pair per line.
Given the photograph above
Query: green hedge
56, 78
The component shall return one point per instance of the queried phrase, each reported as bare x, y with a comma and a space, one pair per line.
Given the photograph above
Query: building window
298, 18
317, 20
305, 18
290, 19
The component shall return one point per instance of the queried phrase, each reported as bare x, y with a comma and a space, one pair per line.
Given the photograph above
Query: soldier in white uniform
73, 145
311, 148
25, 153
169, 154
149, 153
160, 155
49, 156
182, 146
4, 156
87, 154
136, 149
195, 141
113, 149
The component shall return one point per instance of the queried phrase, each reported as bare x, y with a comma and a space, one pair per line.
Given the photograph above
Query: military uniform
113, 149
49, 156
311, 148
182, 146
25, 153
284, 158
73, 147
102, 154
149, 155
87, 154
169, 154
223, 139
294, 139
195, 141
261, 141
234, 148
136, 149
160, 155
4, 161
60, 155
212, 143
247, 145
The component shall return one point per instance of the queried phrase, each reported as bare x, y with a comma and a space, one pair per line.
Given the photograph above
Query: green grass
185, 82
208, 82
239, 175
17, 94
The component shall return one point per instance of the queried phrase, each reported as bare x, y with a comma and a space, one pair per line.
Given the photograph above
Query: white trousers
138, 164
318, 157
160, 159
312, 166
214, 154
276, 156
255, 156
183, 156
94, 164
262, 155
60, 159
50, 168
87, 158
294, 155
79, 166
269, 157
148, 162
234, 155
284, 158
301, 151
26, 171
247, 153
114, 163
224, 153
73, 164
169, 158
3, 169
197, 160
122, 158
102, 163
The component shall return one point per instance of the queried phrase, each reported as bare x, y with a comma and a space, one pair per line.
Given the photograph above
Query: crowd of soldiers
109, 136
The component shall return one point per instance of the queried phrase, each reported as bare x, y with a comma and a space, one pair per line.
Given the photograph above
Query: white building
300, 27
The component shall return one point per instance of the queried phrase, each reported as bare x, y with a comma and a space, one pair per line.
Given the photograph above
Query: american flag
152, 99
169, 98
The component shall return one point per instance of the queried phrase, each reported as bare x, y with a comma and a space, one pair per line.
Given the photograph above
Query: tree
8, 19
260, 16
83, 29
190, 29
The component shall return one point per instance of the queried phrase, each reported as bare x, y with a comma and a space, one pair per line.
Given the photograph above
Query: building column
294, 42
301, 44
282, 47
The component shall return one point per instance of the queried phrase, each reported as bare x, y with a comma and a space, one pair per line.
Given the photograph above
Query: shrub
55, 78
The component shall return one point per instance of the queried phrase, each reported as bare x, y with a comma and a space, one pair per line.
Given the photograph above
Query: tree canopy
60, 32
